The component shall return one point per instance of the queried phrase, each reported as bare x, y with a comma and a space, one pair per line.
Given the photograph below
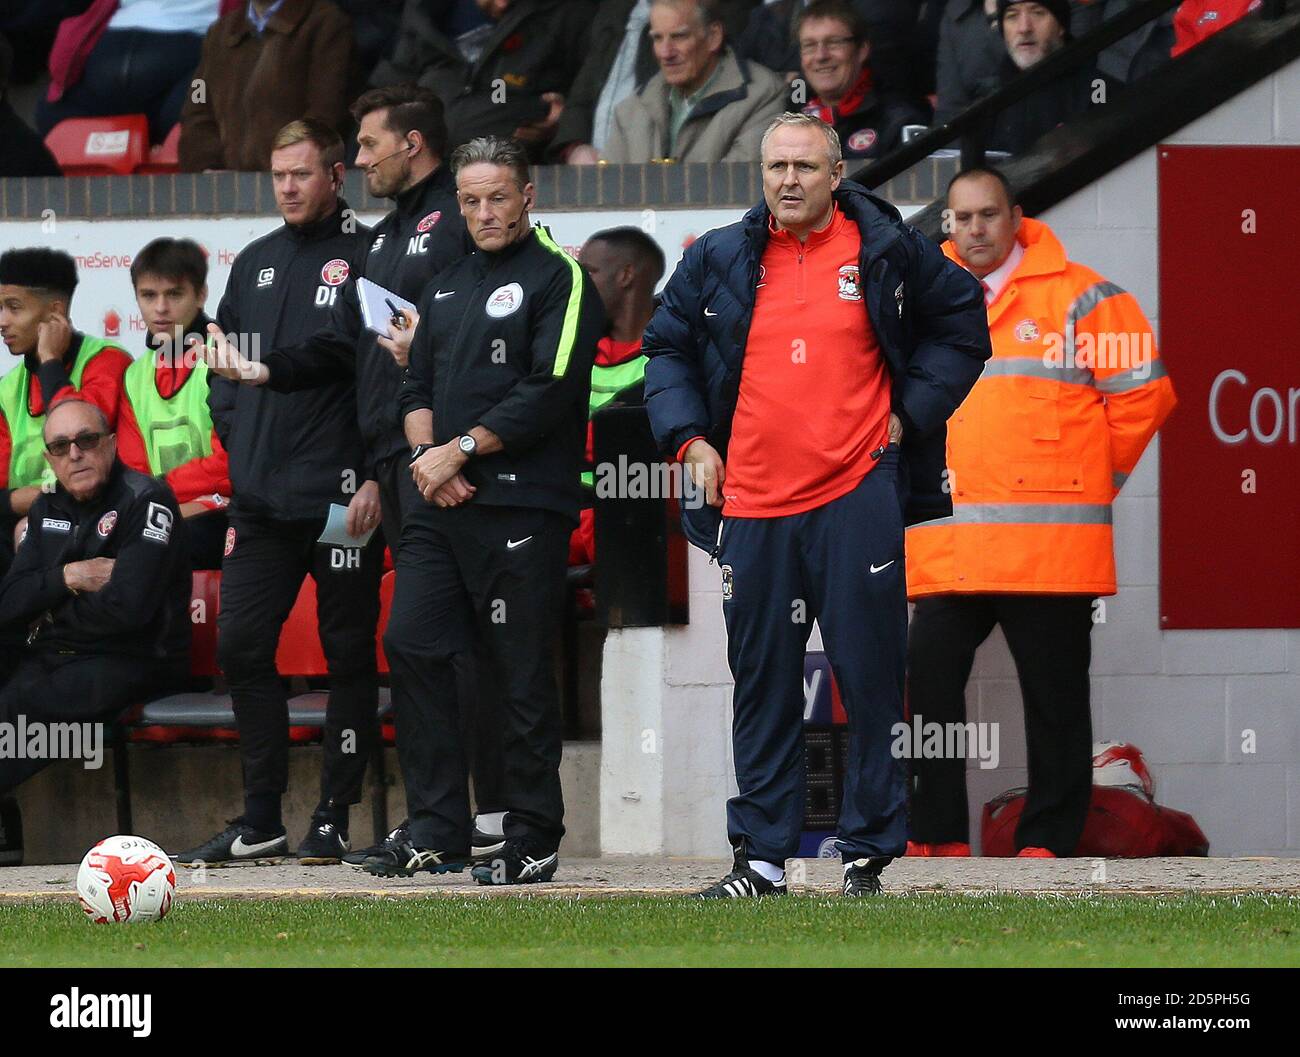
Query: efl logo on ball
126, 879
335, 273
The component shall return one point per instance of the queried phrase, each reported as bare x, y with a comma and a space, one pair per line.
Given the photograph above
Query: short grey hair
493, 150
833, 148
707, 12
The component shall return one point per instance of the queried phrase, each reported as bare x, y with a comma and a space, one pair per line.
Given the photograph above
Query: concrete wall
1184, 697
183, 794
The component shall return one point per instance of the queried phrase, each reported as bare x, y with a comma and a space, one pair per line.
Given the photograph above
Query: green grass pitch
912, 930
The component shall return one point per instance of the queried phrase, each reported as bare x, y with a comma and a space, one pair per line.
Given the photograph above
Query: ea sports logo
505, 300
429, 221
335, 273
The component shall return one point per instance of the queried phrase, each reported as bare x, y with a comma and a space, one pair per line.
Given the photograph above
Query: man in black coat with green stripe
495, 408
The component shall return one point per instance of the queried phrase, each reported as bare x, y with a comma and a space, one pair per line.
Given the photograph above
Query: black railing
972, 125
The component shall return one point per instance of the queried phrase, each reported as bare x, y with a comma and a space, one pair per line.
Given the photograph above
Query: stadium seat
97, 146
165, 157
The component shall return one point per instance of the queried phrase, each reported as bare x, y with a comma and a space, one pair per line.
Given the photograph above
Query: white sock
769, 871
492, 823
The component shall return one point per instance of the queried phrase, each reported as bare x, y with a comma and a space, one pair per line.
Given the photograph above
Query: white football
126, 879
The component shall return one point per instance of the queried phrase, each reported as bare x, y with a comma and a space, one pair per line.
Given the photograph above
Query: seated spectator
36, 287
128, 57
625, 264
164, 426
1143, 51
1033, 30
619, 59
466, 51
705, 104
1195, 20
834, 50
971, 54
100, 584
265, 64
374, 29
24, 153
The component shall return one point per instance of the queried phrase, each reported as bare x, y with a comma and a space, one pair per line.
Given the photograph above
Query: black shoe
516, 864
485, 845
398, 857
743, 882
861, 878
238, 843
396, 836
324, 845
11, 832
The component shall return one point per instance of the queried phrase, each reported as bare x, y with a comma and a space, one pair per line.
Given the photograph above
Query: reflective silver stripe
1034, 367
1132, 379
1082, 305
1024, 514
1118, 479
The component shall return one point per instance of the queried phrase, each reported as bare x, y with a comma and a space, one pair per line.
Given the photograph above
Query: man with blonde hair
292, 457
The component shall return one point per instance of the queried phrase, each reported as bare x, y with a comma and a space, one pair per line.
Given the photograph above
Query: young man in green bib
164, 426
36, 287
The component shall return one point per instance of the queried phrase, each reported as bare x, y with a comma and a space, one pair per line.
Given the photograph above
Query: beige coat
726, 125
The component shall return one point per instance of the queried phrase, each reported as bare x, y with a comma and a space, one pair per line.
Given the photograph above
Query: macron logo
75, 1010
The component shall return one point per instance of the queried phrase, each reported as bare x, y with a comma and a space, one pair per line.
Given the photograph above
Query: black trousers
477, 687
131, 71
1049, 638
495, 575
72, 688
207, 536
260, 581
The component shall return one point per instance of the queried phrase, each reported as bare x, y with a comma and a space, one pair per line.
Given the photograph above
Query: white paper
336, 530
375, 312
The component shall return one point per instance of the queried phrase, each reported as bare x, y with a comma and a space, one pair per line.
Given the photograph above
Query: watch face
467, 445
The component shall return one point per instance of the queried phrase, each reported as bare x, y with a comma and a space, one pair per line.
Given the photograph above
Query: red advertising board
1230, 337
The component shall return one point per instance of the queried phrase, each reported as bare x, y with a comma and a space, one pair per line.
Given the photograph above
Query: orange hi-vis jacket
1043, 442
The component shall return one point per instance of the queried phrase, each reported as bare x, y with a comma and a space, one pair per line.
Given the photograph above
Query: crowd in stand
576, 81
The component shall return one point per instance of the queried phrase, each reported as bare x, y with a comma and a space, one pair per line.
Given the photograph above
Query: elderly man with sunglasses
97, 597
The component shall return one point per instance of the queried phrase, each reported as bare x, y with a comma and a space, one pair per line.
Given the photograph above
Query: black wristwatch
419, 450
468, 446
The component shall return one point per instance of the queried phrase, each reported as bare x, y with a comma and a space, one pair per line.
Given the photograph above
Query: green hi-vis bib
176, 429
27, 465
606, 384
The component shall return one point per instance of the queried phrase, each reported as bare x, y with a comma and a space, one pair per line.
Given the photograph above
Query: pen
398, 320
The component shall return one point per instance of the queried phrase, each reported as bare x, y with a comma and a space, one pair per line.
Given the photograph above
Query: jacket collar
877, 220
286, 19
319, 229
65, 501
410, 201
731, 82
1044, 254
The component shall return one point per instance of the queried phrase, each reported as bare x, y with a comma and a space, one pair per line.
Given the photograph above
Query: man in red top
164, 425
791, 355
36, 287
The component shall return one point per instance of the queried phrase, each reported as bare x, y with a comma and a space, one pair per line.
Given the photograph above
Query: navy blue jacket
928, 316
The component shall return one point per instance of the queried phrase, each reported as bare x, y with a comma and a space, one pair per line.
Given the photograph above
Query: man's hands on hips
224, 359
364, 512
90, 575
706, 469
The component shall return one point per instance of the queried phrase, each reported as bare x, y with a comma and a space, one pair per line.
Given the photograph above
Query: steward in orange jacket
1040, 447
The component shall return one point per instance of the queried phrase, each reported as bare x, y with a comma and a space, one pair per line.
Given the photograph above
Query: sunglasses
84, 441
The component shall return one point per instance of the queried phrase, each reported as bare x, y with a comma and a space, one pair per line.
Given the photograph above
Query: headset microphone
375, 164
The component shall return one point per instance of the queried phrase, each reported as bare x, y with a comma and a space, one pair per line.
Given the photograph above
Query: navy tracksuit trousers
840, 564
